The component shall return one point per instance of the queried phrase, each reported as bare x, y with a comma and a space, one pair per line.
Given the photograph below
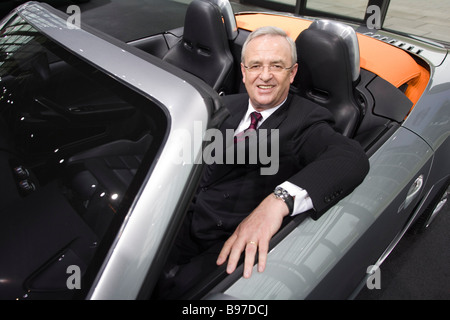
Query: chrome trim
228, 17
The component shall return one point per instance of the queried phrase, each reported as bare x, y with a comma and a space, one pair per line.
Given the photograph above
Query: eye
276, 67
255, 67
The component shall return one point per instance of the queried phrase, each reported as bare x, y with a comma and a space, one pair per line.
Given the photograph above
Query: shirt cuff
302, 201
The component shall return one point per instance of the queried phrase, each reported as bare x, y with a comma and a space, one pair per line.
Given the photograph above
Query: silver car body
327, 258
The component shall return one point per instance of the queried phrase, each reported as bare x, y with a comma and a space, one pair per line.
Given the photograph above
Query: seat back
204, 49
329, 70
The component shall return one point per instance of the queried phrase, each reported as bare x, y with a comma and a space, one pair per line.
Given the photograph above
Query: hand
253, 235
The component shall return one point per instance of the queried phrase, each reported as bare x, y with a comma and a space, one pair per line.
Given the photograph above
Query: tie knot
254, 119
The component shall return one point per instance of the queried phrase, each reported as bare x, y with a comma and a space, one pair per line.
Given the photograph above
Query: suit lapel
237, 112
275, 120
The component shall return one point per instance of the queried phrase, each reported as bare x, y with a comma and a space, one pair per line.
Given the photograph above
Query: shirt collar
265, 113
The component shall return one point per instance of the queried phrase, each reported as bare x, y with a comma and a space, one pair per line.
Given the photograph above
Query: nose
265, 74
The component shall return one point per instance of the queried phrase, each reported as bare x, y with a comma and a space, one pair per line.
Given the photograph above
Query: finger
262, 255
226, 249
249, 261
235, 255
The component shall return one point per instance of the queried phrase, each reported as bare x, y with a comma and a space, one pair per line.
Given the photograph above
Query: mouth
265, 87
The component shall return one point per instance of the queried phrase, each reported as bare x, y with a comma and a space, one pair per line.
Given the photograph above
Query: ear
293, 72
243, 72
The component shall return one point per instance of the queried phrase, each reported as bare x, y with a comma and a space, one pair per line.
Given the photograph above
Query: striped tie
255, 117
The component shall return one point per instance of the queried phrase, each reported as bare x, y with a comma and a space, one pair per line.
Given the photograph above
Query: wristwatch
282, 194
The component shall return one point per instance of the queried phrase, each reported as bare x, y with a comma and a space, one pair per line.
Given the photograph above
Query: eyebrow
272, 62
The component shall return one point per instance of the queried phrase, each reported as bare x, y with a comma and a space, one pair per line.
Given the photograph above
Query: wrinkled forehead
268, 49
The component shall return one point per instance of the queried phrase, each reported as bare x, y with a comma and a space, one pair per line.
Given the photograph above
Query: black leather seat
204, 49
329, 70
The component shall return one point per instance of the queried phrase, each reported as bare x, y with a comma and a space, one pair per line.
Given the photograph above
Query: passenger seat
204, 49
329, 70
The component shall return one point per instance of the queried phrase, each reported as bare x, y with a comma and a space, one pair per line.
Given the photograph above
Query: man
236, 210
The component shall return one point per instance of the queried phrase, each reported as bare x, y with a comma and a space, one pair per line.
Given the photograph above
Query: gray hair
270, 31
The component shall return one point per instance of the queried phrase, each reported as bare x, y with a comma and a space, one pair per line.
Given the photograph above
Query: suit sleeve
333, 165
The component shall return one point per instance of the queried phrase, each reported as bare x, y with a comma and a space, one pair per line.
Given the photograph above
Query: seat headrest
204, 27
349, 38
204, 50
329, 70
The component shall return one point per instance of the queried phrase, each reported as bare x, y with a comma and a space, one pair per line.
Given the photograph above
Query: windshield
75, 146
416, 17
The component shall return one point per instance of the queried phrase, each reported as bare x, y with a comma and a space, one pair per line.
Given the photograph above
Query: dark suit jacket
311, 155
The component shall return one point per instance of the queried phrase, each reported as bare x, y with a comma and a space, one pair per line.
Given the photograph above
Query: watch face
280, 193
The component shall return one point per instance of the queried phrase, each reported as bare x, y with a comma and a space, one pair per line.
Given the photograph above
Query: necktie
255, 117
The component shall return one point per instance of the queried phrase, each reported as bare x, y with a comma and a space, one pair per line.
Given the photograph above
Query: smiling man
237, 209
269, 65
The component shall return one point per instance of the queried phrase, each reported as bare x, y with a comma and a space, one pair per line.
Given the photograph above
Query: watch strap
282, 194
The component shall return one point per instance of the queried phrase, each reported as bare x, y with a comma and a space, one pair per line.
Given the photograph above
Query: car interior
366, 105
72, 155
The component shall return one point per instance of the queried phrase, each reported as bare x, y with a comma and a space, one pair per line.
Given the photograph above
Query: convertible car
102, 146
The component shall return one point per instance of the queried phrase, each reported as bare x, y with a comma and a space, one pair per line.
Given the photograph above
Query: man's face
269, 86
